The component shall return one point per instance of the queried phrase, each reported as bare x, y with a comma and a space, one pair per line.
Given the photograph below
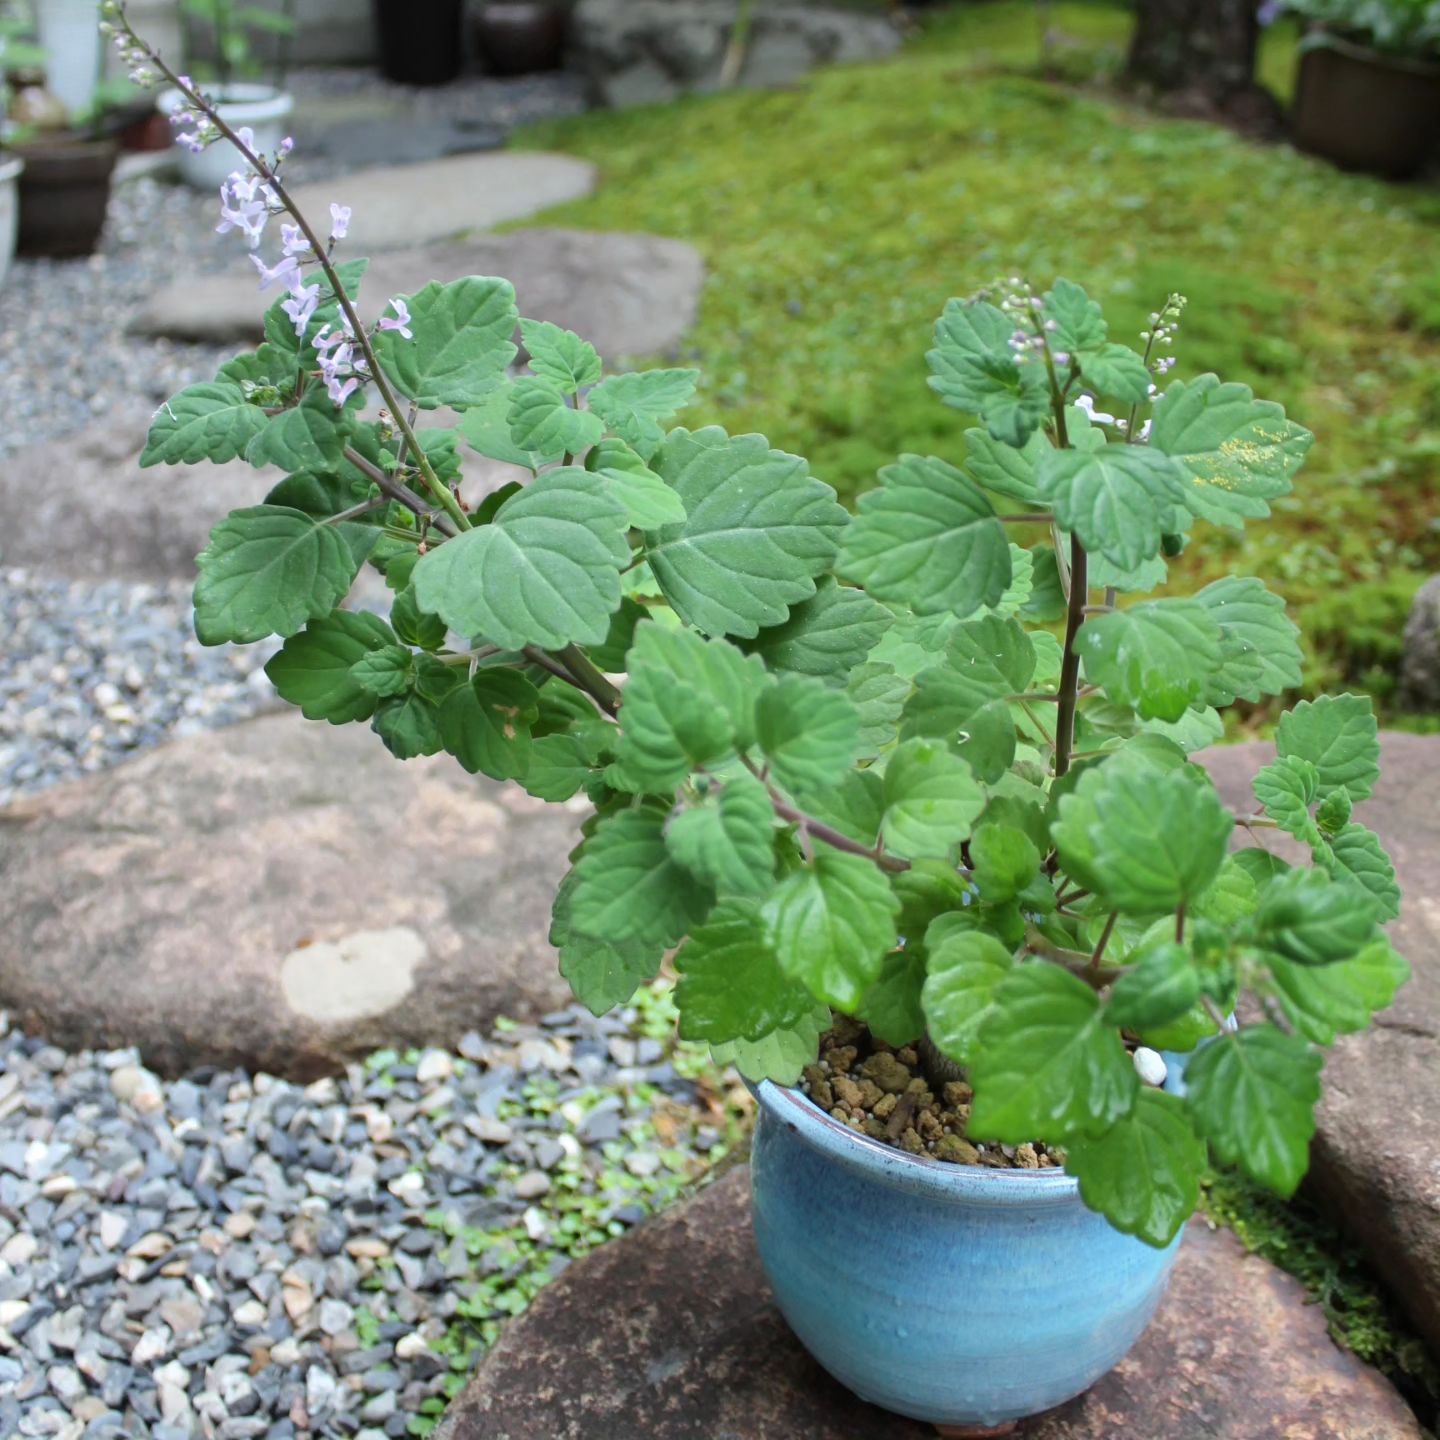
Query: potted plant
221, 43
1367, 95
421, 41
521, 37
945, 884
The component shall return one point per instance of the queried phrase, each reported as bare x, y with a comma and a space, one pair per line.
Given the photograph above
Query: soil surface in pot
883, 1093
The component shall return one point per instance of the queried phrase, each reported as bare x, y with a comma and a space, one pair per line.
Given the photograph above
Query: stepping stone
281, 895
671, 1334
1376, 1154
629, 295
396, 207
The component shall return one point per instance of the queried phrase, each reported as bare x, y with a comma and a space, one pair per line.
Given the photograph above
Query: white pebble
1149, 1066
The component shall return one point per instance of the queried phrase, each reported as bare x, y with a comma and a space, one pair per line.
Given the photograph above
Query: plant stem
1076, 961
1070, 661
590, 677
396, 491
1180, 925
1104, 940
437, 488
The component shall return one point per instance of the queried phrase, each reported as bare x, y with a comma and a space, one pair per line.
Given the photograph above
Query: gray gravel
236, 1256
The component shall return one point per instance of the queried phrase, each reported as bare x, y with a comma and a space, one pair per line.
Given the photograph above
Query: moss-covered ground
837, 216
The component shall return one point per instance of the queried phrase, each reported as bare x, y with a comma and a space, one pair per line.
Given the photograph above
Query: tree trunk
1201, 55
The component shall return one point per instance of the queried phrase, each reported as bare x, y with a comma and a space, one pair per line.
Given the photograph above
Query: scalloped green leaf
973, 368
826, 636
559, 355
958, 996
312, 669
649, 502
808, 732
931, 801
486, 723
728, 840
213, 421
1259, 645
542, 422
1159, 656
1338, 735
634, 405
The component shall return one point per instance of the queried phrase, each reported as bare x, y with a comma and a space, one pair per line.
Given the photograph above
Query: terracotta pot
421, 41
1366, 111
520, 37
64, 190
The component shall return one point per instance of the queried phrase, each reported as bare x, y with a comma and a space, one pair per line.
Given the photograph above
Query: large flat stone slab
629, 295
281, 895
396, 207
672, 1334
1376, 1154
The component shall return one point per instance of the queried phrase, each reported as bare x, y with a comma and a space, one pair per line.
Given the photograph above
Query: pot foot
974, 1432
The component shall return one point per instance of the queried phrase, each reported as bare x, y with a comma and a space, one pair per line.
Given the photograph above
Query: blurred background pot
954, 1294
64, 190
10, 168
262, 107
520, 37
421, 41
1364, 110
69, 33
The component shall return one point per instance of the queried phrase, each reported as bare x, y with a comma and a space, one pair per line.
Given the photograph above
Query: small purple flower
301, 305
339, 221
341, 390
286, 146
294, 242
401, 321
246, 137
287, 270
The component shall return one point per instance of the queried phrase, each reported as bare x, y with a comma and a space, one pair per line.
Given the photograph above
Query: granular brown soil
883, 1093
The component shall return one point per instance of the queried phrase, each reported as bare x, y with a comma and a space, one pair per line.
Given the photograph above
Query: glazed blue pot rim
916, 1174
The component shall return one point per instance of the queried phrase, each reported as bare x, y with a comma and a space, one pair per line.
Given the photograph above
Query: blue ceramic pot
949, 1293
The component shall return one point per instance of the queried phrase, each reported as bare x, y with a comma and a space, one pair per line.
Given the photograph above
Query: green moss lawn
838, 216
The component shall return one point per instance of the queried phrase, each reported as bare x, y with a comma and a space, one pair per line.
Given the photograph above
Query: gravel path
233, 1256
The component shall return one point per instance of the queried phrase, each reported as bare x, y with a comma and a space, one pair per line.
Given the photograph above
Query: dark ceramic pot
1366, 111
64, 190
520, 37
422, 42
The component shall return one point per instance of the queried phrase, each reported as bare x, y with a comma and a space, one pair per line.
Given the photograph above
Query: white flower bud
1149, 1066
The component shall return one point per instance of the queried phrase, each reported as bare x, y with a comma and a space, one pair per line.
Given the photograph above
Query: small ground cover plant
897, 765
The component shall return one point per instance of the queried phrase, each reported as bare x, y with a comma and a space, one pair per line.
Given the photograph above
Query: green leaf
1003, 860
1230, 898
542, 422
266, 571
832, 923
1252, 1093
1194, 730
486, 428
1045, 1064
853, 806
973, 368
1142, 1174
629, 888
1355, 856
931, 801
634, 405
827, 635
879, 695
1323, 1001
546, 572
1239, 452
689, 701
462, 346
649, 502
604, 974
1145, 841
408, 724
987, 659
781, 1055
1286, 790
558, 767
1119, 499
413, 625
959, 991
1116, 370
1047, 599
728, 840
486, 724
307, 436
1078, 322
732, 986
313, 668
1003, 468
891, 1007
203, 422
559, 356
1331, 817
1307, 917
384, 672
1259, 646
929, 539
758, 531
1159, 656
1337, 735
1163, 985
809, 732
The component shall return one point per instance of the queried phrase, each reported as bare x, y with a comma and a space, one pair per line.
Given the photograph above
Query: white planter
10, 169
263, 108
69, 33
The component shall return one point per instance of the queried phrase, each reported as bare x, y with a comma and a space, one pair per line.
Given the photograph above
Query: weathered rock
637, 52
1376, 1155
1420, 662
672, 1334
278, 895
396, 207
629, 295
